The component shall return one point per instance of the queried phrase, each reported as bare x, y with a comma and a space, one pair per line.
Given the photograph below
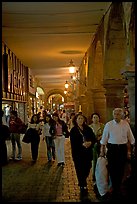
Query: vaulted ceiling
45, 36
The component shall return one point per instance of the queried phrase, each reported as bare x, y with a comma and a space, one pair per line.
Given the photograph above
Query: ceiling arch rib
40, 91
55, 91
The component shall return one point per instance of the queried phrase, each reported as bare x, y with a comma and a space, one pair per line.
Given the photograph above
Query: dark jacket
76, 139
15, 125
65, 129
52, 129
32, 135
5, 133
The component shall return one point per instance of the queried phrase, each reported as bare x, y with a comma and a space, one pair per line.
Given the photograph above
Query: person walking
35, 128
7, 114
82, 140
15, 126
64, 116
5, 134
70, 122
97, 128
48, 131
4, 118
61, 131
116, 135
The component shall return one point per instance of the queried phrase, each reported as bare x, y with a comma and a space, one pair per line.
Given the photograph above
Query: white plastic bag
101, 175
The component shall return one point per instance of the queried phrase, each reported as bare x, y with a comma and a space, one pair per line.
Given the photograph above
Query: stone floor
23, 181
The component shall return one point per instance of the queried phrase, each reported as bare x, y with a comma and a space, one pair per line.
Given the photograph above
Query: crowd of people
88, 142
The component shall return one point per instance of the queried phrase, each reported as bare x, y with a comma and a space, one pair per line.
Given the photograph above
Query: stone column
100, 103
83, 103
130, 75
114, 95
89, 105
76, 101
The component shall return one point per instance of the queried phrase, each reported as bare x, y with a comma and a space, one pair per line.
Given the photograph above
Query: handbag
23, 128
28, 135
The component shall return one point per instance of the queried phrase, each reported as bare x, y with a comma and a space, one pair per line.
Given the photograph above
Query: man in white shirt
7, 114
116, 135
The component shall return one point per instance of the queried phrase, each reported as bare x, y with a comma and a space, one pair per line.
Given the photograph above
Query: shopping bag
102, 176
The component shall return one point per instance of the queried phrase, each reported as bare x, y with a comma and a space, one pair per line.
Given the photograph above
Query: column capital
114, 82
129, 74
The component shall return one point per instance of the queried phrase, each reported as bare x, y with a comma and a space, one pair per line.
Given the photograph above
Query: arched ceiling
54, 92
45, 36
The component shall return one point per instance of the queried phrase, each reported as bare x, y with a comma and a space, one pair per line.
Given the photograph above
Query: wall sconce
37, 95
66, 85
75, 73
72, 68
65, 91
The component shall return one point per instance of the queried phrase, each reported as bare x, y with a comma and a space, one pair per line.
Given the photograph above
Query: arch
55, 91
115, 51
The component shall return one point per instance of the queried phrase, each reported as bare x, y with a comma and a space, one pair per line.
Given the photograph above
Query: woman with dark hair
48, 132
97, 128
61, 131
82, 141
35, 127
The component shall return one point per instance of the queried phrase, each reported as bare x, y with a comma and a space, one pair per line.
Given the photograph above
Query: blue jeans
15, 138
50, 148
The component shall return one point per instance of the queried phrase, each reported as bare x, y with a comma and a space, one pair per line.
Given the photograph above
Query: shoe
34, 160
83, 188
49, 161
11, 158
83, 191
59, 164
105, 197
18, 158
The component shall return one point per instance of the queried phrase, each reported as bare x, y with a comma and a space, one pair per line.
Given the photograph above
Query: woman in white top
61, 131
48, 132
35, 137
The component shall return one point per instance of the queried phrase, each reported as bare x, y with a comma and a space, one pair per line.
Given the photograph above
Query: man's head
13, 114
55, 116
118, 114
